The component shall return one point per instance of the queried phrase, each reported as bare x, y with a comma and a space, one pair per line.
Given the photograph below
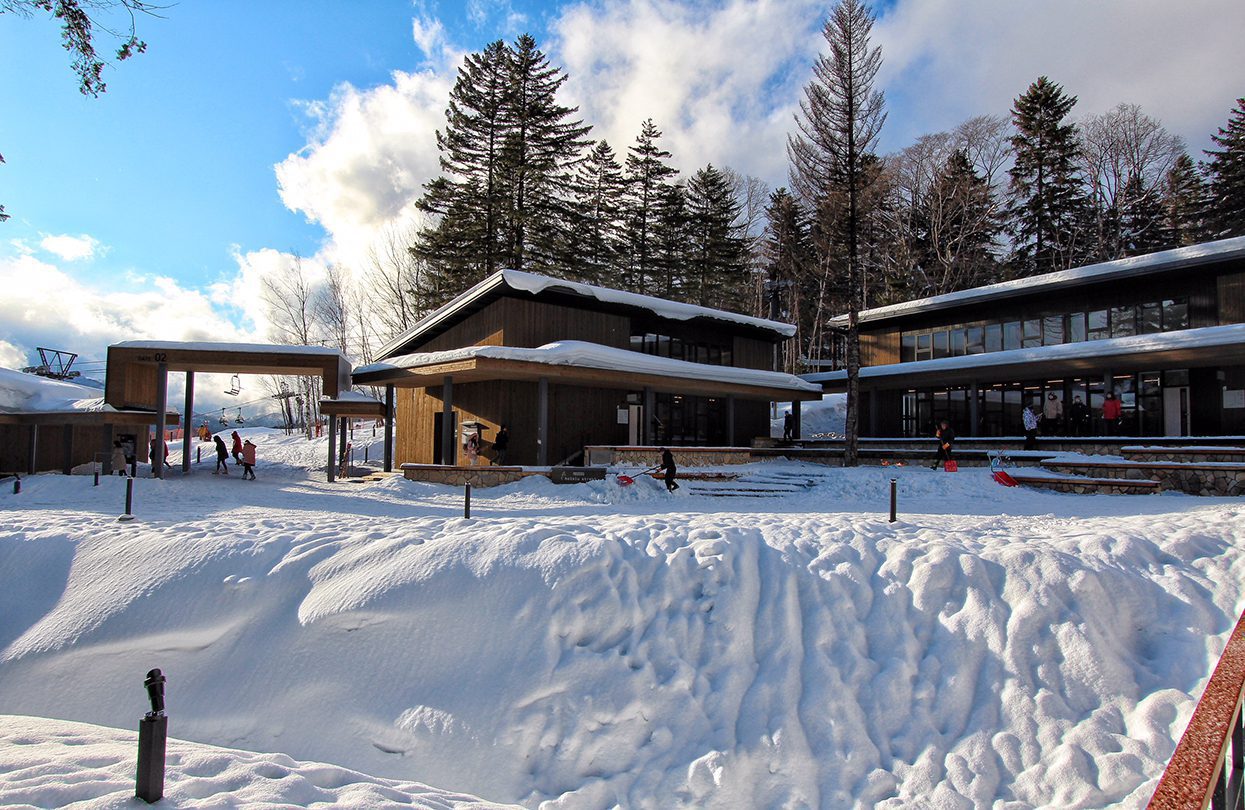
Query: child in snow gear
156, 456
1052, 414
472, 447
222, 453
236, 449
788, 427
118, 458
501, 443
945, 436
1111, 410
667, 463
248, 460
1031, 425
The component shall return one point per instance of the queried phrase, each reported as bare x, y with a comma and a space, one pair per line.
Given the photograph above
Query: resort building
1165, 333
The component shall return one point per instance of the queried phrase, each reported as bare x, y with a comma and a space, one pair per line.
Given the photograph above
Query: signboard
576, 475
1234, 397
622, 416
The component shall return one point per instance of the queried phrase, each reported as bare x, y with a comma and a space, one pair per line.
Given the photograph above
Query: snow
1191, 256
593, 355
1205, 337
592, 645
54, 763
27, 393
352, 396
821, 419
209, 346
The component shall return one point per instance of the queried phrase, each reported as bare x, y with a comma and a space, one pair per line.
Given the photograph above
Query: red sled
1006, 480
951, 466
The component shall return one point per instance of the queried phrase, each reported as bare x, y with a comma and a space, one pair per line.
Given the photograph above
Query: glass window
1032, 333
924, 347
663, 346
702, 353
907, 347
959, 342
994, 337
1151, 319
1123, 321
975, 339
1099, 328
942, 346
1011, 335
637, 343
1175, 314
1076, 327
1052, 330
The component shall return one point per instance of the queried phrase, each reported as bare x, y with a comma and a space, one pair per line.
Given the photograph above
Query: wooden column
447, 421
795, 419
332, 449
542, 422
32, 458
341, 442
186, 414
873, 412
730, 420
650, 413
389, 394
162, 407
974, 409
106, 463
67, 449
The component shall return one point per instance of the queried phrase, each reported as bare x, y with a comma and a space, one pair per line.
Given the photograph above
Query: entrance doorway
1176, 411
438, 430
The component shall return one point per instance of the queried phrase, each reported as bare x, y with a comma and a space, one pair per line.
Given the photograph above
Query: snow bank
824, 419
591, 646
24, 393
53, 763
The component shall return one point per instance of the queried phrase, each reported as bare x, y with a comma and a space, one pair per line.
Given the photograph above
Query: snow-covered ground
592, 646
824, 419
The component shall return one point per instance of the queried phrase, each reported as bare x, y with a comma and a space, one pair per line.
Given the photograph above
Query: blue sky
250, 131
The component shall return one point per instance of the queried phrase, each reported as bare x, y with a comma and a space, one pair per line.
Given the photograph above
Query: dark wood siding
1232, 298
529, 323
753, 353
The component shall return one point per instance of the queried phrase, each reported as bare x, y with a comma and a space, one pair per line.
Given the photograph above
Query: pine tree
717, 271
1225, 172
595, 241
1047, 198
840, 118
1184, 204
649, 178
789, 266
668, 244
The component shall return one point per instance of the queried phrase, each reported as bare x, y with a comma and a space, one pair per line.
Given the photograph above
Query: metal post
341, 439
542, 422
17, 485
795, 419
467, 500
186, 413
162, 407
389, 392
98, 464
153, 734
32, 460
332, 449
129, 500
894, 498
974, 409
646, 419
199, 455
730, 420
447, 421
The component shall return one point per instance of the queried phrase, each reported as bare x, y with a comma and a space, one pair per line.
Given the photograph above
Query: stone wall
1195, 479
683, 456
458, 476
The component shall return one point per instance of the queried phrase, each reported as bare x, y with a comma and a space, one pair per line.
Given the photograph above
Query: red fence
1197, 777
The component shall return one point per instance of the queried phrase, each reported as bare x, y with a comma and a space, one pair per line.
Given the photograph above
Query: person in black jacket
946, 437
1078, 417
667, 463
222, 453
500, 444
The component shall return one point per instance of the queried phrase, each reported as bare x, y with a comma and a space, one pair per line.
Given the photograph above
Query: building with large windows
1164, 332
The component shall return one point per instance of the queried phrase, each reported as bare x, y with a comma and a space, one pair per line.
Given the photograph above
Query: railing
1196, 777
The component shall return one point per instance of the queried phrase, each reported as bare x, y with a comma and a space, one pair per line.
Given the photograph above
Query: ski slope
592, 646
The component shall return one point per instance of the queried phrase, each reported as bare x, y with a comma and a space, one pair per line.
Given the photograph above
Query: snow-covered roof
537, 284
30, 393
352, 396
1204, 338
1163, 261
209, 346
593, 355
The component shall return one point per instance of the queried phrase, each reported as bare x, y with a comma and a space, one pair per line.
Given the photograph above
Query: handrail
1194, 779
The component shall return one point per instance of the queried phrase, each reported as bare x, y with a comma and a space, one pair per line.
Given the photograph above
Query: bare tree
290, 298
395, 275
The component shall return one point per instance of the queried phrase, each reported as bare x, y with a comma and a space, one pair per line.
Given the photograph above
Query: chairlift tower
55, 364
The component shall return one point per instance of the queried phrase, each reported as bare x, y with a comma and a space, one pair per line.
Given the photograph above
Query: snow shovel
1005, 479
627, 480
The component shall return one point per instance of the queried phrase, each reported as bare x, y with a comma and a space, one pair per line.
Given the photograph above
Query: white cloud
11, 356
71, 248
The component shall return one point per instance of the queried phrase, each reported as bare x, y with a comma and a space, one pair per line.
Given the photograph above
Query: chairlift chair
235, 386
224, 420
239, 420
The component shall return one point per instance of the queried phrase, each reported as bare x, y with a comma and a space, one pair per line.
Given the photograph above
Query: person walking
946, 437
118, 459
248, 460
1030, 419
1078, 417
788, 427
472, 448
156, 456
667, 464
500, 444
222, 456
1052, 415
1111, 411
236, 449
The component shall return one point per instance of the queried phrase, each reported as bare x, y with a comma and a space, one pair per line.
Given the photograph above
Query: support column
332, 449
187, 411
542, 422
447, 421
67, 448
974, 409
109, 433
650, 413
389, 394
162, 408
873, 412
730, 420
795, 419
341, 441
32, 458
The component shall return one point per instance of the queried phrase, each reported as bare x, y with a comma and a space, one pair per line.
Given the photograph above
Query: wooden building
564, 365
1165, 333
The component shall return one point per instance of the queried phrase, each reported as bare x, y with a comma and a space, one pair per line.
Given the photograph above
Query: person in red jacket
1111, 414
248, 460
236, 448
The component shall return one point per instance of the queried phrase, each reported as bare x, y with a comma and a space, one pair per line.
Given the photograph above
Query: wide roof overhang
231, 358
76, 417
1190, 348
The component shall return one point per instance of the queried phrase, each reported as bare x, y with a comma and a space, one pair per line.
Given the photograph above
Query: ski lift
224, 420
235, 386
239, 420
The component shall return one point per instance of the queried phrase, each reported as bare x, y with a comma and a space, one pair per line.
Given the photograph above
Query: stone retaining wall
683, 456
458, 476
1086, 487
1186, 456
1190, 478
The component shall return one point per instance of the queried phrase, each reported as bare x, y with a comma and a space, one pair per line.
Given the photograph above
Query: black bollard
365, 449
129, 500
17, 484
97, 473
153, 734
894, 499
467, 500
199, 455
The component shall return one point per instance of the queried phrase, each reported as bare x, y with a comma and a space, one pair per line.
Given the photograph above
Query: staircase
1212, 471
